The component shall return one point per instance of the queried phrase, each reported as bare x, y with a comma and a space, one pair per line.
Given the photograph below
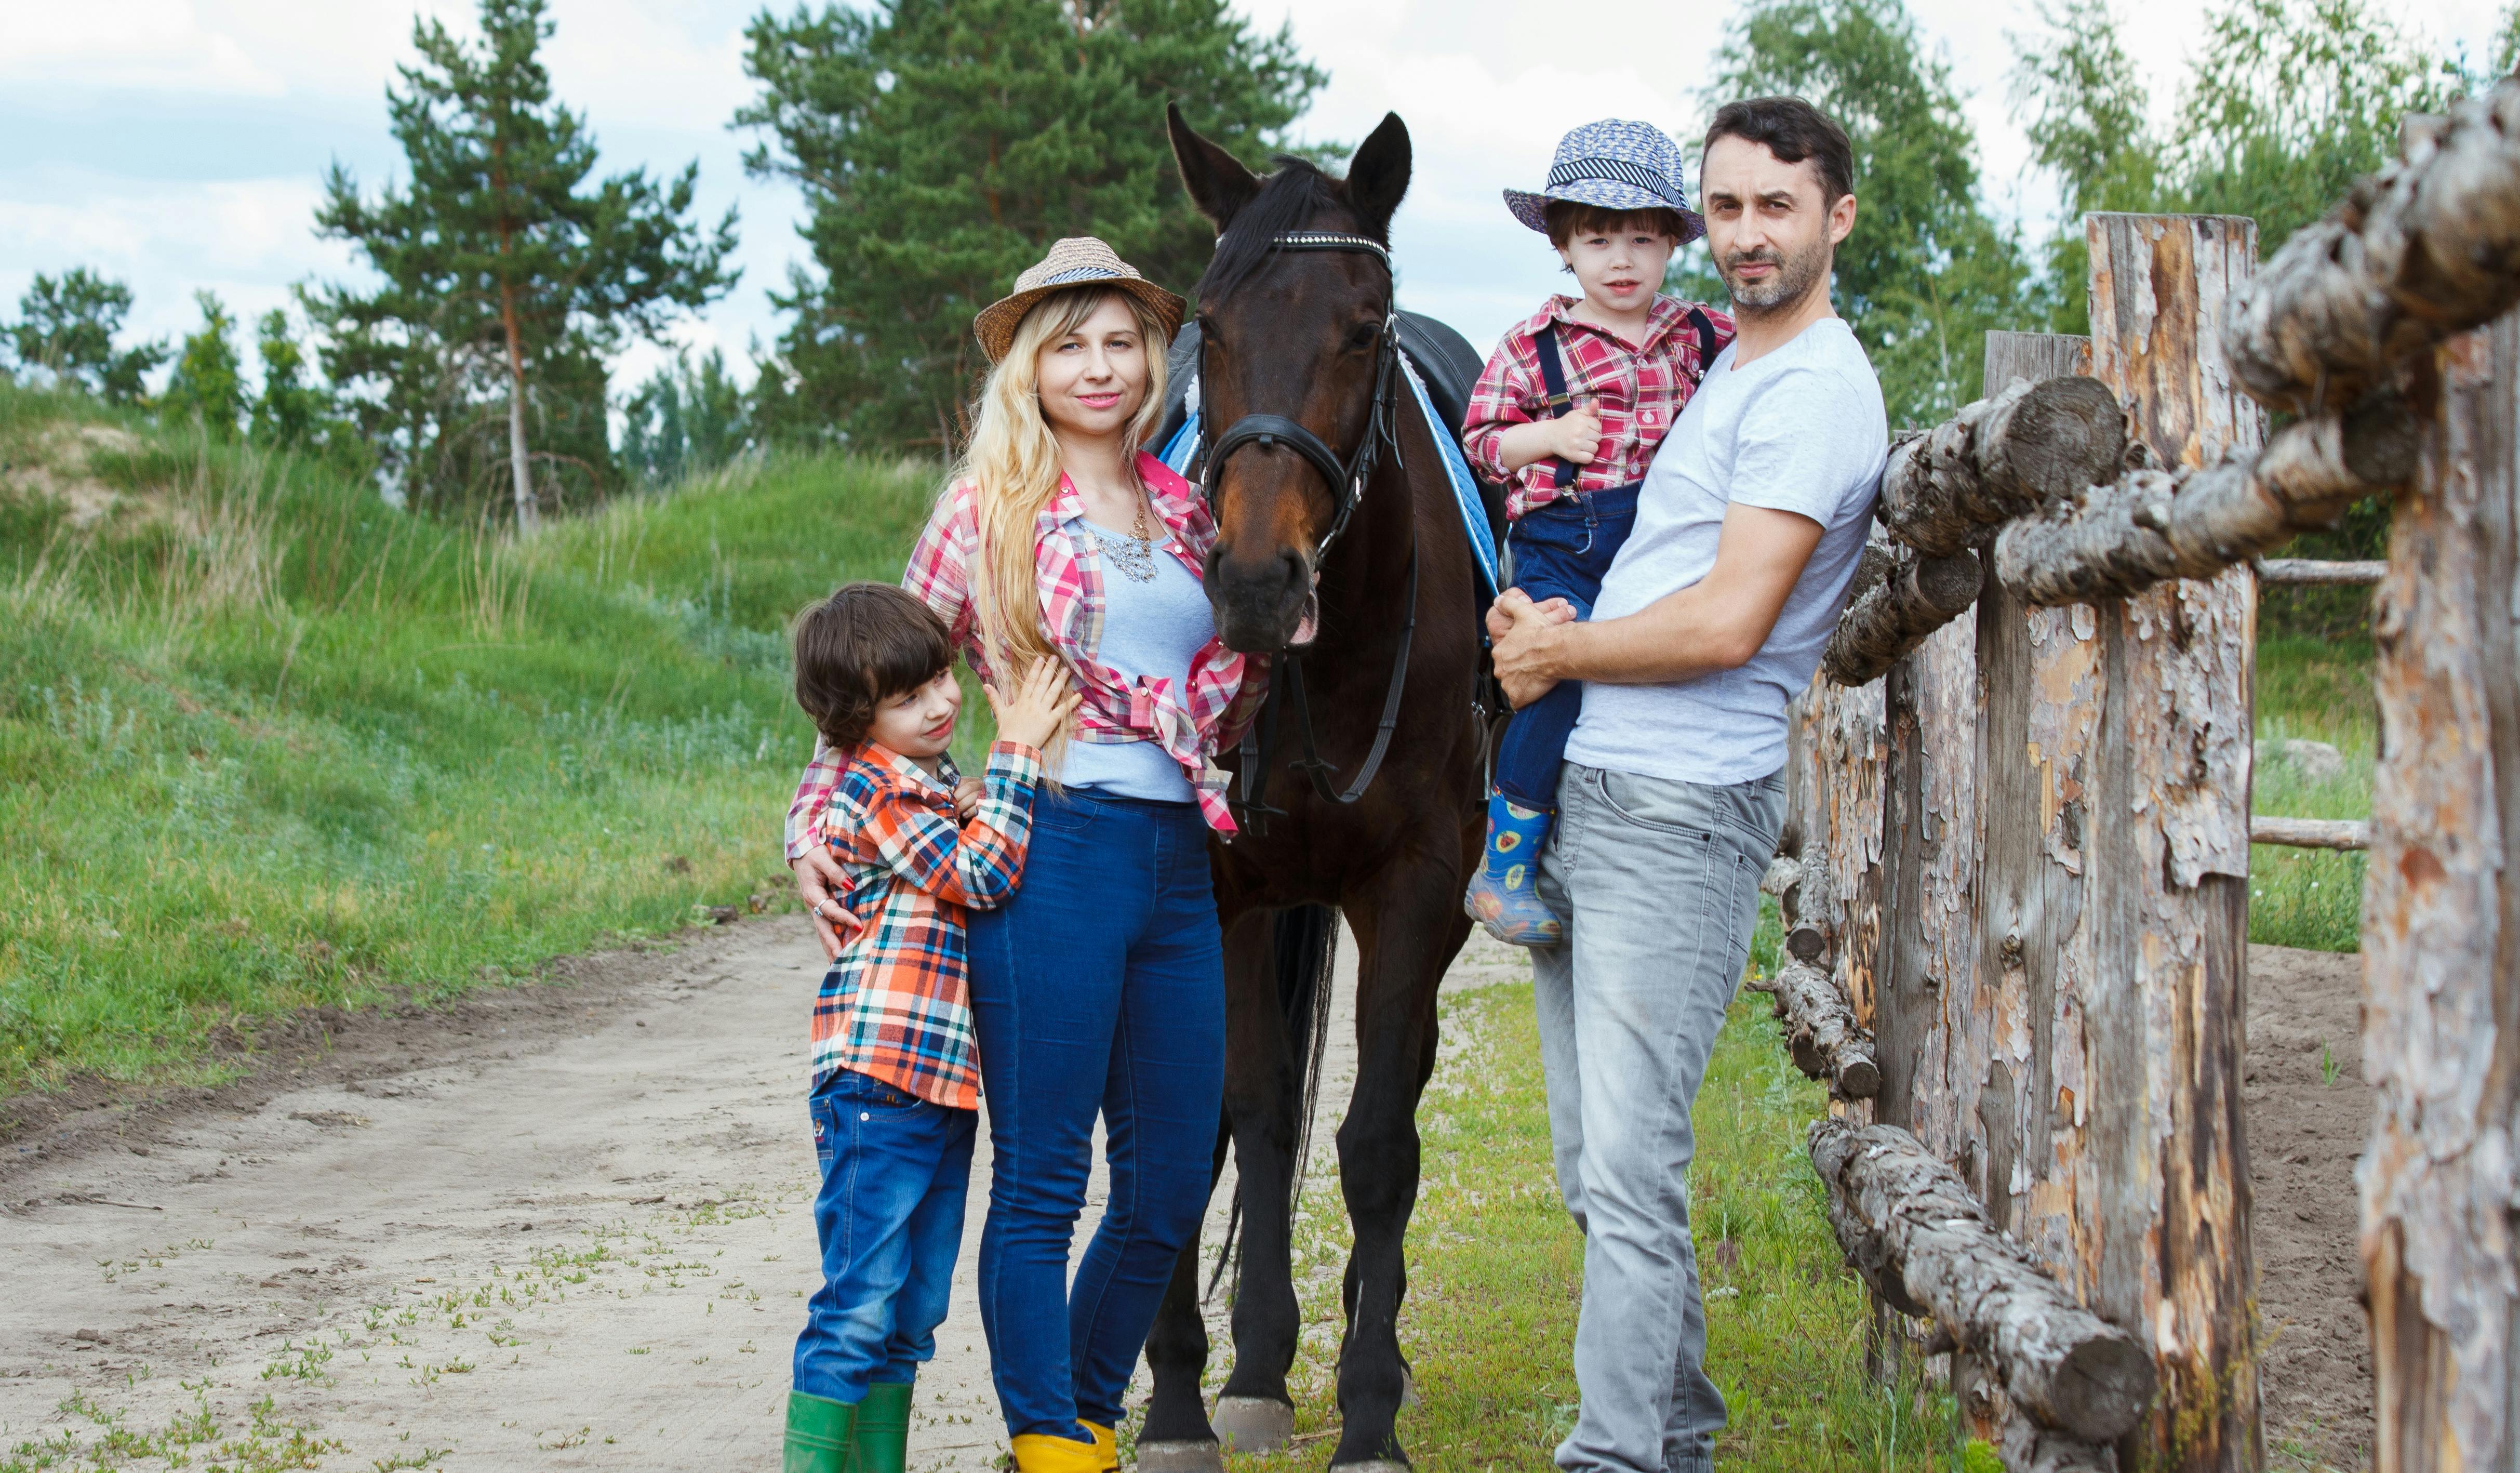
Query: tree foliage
208, 381
941, 145
65, 331
1926, 271
293, 410
686, 419
509, 273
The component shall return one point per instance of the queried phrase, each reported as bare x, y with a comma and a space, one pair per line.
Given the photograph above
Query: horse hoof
1252, 1424
1180, 1458
1407, 1390
1378, 1465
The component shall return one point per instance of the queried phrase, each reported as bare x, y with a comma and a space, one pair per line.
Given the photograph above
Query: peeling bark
1912, 1228
1915, 597
2001, 457
1821, 1030
2441, 937
2428, 246
2151, 526
2028, 1448
2318, 571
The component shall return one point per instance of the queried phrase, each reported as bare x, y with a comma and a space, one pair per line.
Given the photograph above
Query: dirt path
574, 1235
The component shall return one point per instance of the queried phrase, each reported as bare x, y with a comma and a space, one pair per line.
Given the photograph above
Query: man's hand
818, 875
1525, 639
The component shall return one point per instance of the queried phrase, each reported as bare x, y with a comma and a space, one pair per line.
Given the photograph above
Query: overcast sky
181, 144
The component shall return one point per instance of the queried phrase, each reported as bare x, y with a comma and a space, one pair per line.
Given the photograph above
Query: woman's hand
818, 875
1042, 698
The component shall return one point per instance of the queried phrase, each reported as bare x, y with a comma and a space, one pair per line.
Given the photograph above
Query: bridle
1347, 478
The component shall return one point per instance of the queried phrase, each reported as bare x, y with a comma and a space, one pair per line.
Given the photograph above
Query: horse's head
1290, 332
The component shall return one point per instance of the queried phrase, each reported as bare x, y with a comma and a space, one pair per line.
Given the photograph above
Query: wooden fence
2016, 856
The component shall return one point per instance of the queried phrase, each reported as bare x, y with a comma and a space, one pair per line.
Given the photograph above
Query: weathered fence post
2161, 1216
2441, 938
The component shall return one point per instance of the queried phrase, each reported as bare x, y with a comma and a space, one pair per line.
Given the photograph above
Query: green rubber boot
818, 1434
882, 1438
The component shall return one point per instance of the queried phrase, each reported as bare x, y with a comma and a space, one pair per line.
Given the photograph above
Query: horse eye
1364, 334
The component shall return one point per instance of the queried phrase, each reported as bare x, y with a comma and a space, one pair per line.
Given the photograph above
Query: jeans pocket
1059, 812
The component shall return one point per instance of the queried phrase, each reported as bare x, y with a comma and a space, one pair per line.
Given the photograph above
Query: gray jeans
1659, 882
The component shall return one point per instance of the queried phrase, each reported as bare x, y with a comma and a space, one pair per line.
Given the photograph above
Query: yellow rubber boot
1107, 1444
1041, 1453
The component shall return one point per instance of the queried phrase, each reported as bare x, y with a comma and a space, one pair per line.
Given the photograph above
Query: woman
1100, 988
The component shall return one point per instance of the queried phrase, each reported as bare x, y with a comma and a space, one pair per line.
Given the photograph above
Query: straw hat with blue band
1612, 165
1079, 260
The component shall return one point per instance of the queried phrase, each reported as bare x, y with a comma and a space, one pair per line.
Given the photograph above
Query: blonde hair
1013, 464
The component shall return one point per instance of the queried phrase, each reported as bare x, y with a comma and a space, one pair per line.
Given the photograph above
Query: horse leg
1263, 1088
1407, 922
1175, 1438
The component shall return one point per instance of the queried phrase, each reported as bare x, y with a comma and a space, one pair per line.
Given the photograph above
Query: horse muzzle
1266, 605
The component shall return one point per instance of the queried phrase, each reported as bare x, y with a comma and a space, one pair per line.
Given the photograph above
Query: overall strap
1552, 376
1707, 347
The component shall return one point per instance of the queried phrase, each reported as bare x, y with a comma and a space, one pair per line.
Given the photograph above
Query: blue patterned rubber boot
1503, 896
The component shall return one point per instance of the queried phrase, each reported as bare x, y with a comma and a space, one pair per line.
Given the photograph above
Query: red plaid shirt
897, 1003
1639, 391
1190, 724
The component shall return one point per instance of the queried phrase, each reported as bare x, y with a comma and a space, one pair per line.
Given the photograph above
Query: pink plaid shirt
1190, 724
1639, 391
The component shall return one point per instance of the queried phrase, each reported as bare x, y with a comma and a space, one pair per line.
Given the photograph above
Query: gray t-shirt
1155, 629
1801, 430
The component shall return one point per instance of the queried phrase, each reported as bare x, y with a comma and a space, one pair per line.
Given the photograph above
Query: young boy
896, 1082
1568, 414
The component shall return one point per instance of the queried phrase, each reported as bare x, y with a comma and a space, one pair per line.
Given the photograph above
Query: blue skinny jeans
1560, 550
1099, 988
889, 1214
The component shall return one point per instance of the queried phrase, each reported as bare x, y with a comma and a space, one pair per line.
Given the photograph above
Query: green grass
266, 743
1496, 1275
2321, 690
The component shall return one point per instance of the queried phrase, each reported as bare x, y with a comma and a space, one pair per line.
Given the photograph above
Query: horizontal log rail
1912, 1228
2318, 573
1806, 904
1947, 490
2428, 246
2150, 524
2310, 833
1820, 1031
1913, 597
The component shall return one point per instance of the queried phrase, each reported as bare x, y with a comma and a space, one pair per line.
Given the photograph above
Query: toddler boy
1568, 414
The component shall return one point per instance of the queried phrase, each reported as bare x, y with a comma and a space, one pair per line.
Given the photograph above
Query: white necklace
1132, 554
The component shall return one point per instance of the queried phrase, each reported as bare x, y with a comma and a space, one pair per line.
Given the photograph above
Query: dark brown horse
1294, 314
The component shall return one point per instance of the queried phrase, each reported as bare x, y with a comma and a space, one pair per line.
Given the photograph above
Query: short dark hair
1793, 130
1570, 218
861, 647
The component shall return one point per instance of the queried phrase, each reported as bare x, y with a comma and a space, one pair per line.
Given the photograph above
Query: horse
1341, 555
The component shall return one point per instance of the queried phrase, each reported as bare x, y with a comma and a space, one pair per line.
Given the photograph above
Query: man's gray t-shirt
1800, 429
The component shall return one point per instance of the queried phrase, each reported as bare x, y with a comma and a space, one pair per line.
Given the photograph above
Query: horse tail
1303, 944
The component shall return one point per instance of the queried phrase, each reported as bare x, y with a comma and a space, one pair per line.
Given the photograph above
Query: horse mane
1290, 198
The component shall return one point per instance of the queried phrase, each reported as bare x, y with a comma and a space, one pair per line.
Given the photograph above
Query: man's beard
1792, 280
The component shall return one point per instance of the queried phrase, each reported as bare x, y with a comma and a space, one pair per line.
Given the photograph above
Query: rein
1347, 478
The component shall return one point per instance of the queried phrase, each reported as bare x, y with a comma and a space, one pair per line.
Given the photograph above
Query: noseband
1345, 477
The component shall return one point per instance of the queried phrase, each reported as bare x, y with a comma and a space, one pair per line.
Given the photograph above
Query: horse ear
1218, 183
1378, 175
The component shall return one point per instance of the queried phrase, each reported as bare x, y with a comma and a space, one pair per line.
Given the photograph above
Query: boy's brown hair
861, 647
1570, 218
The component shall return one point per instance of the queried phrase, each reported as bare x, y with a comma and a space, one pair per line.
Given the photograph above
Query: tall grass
267, 743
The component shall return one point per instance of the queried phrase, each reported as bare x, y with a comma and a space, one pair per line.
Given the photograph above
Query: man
1712, 617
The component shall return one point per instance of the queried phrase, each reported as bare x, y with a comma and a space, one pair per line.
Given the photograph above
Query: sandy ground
2309, 1114
568, 1228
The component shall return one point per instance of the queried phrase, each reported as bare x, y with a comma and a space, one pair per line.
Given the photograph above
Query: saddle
1443, 358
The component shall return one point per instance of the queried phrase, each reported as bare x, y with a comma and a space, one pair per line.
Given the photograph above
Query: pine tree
1927, 271
65, 331
208, 382
509, 273
683, 420
291, 411
943, 144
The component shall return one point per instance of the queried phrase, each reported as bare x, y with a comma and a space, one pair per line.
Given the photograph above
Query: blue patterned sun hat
1615, 164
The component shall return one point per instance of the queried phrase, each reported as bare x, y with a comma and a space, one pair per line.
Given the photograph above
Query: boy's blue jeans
1099, 990
895, 1170
1560, 550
